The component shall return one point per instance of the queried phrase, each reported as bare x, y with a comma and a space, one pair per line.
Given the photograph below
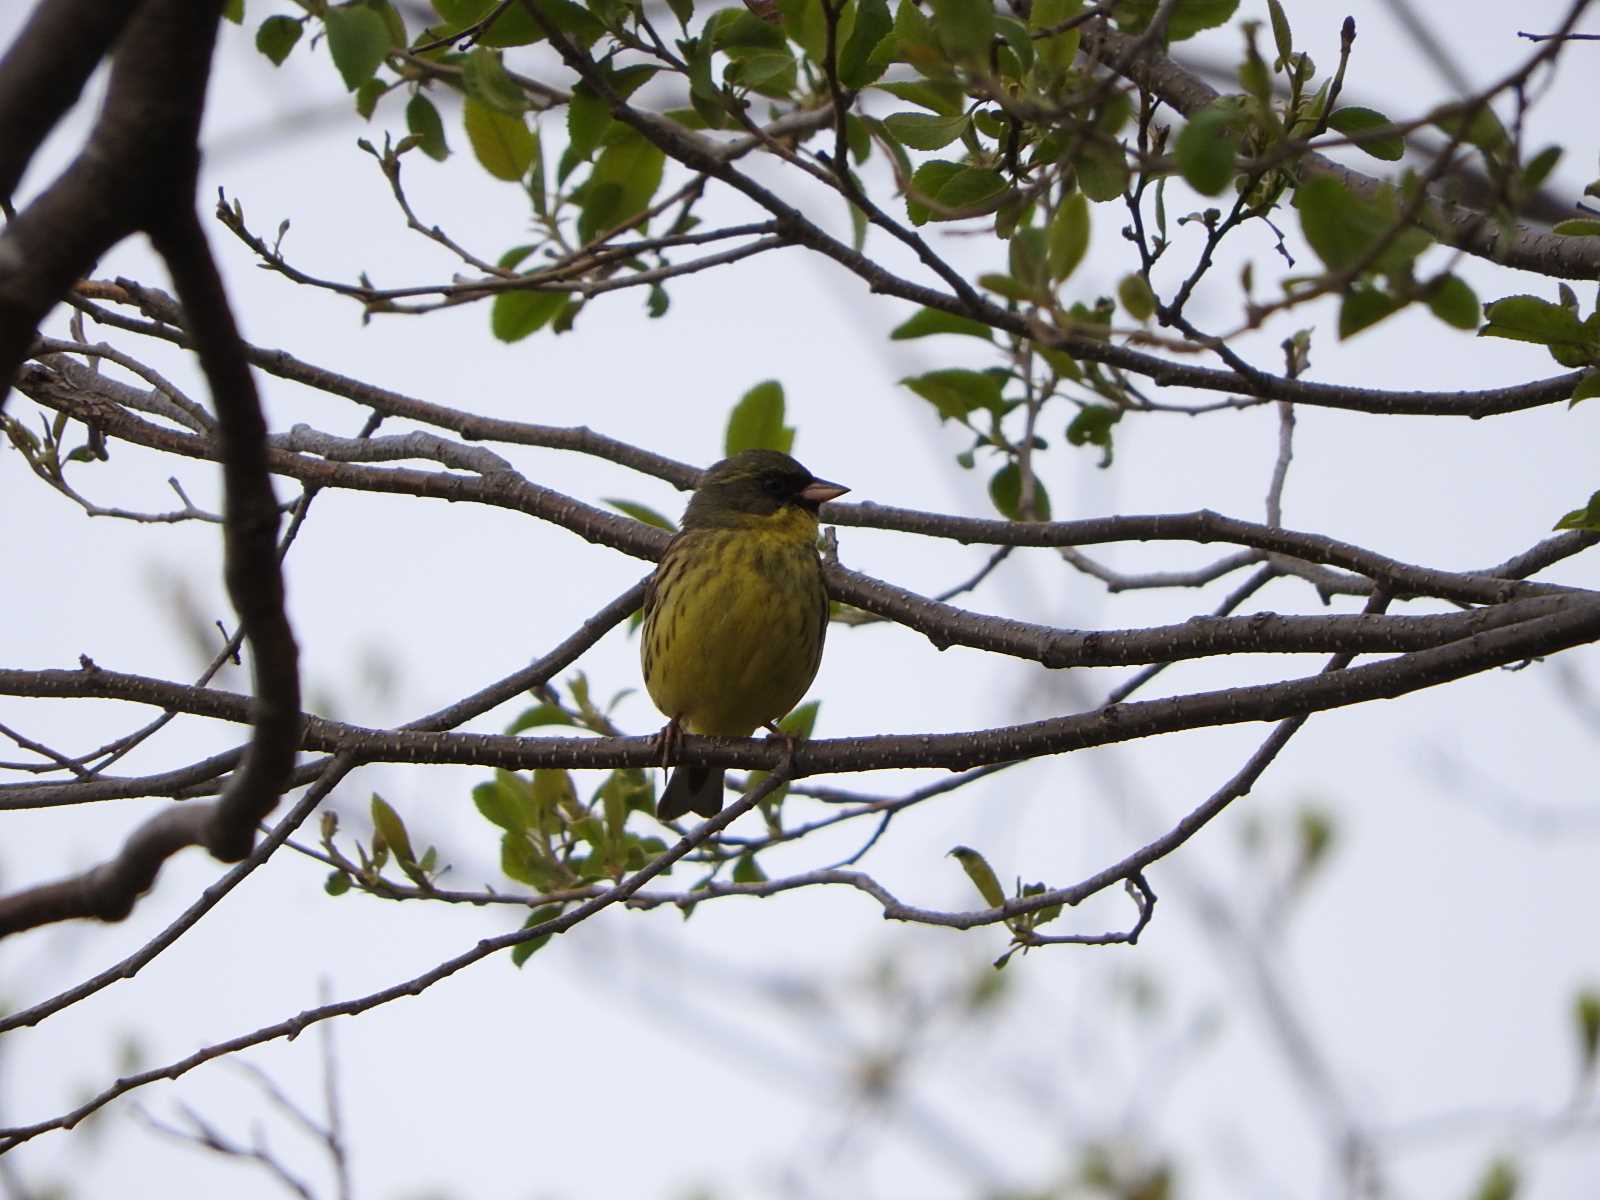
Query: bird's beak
819, 491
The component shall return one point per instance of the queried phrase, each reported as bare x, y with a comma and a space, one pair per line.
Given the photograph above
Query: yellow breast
734, 624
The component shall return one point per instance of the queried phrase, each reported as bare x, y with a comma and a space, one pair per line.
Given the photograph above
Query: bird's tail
691, 789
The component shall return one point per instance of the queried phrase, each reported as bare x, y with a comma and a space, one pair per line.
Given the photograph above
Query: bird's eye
774, 486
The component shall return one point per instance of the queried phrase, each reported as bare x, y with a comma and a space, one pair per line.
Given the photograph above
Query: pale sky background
1433, 965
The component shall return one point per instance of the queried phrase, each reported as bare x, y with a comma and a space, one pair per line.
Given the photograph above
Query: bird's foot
667, 741
789, 740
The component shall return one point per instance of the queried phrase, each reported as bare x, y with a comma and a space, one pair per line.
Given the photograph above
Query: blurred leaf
982, 875
523, 951
540, 714
1102, 172
1069, 236
621, 184
1364, 306
1343, 229
929, 321
871, 25
1092, 427
423, 120
964, 28
756, 422
1206, 149
642, 512
1531, 319
746, 870
1588, 387
1586, 1009
1353, 121
1188, 17
1578, 227
1136, 296
925, 131
358, 40
1500, 1182
1005, 489
956, 392
1282, 38
485, 79
502, 143
588, 118
1455, 303
948, 191
515, 314
1586, 518
392, 829
277, 36
336, 884
1058, 49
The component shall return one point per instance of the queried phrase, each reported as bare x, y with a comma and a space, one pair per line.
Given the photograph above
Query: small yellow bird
736, 612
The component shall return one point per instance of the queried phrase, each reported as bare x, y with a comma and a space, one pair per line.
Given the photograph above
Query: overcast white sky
1434, 965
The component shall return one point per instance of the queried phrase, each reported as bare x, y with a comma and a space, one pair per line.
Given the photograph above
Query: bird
735, 614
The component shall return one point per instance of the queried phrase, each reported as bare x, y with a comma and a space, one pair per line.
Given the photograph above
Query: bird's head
756, 483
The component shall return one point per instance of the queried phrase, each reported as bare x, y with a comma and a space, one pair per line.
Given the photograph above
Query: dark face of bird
756, 483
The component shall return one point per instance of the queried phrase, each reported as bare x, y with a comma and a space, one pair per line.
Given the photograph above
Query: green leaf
1454, 302
539, 714
947, 191
485, 79
1092, 427
516, 314
1500, 1182
683, 10
928, 321
1355, 121
943, 98
392, 829
1005, 489
1057, 50
621, 184
233, 10
641, 512
771, 73
964, 28
1586, 518
1206, 149
1069, 236
1586, 1011
1363, 306
368, 95
1342, 229
956, 392
498, 805
1282, 38
746, 870
1136, 296
588, 119
523, 951
1484, 130
982, 875
756, 422
925, 131
422, 119
358, 40
1578, 227
871, 26
1588, 387
1102, 172
1188, 17
1028, 262
277, 36
1531, 319
502, 142
336, 884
